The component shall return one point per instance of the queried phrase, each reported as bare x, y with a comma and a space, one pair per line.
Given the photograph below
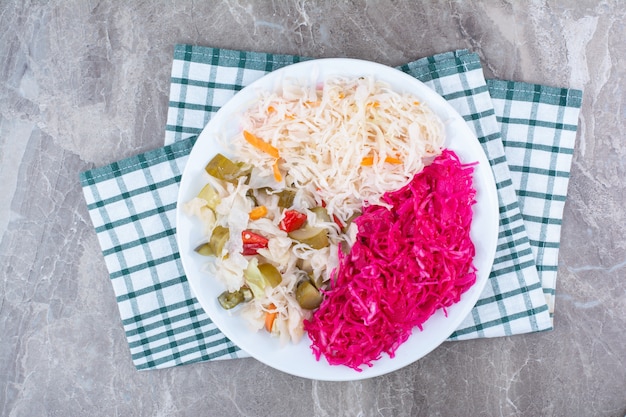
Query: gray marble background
85, 83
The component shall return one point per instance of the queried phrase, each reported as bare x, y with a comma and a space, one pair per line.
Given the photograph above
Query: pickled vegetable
285, 198
308, 296
215, 245
252, 242
229, 300
351, 220
321, 213
210, 195
224, 169
258, 277
270, 274
292, 220
315, 237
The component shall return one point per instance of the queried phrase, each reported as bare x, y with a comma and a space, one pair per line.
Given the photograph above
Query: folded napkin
527, 131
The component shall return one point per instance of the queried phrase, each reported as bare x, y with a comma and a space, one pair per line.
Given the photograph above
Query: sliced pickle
210, 195
270, 274
229, 300
318, 281
304, 265
260, 276
321, 213
285, 198
308, 296
315, 237
224, 169
215, 245
247, 293
204, 249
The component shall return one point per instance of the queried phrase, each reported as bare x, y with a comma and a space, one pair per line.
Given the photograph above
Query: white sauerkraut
326, 136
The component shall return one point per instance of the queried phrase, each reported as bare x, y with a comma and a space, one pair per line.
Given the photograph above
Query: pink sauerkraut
406, 263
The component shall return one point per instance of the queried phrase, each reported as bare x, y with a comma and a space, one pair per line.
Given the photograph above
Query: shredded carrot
368, 161
392, 160
271, 109
374, 104
289, 116
270, 317
312, 103
341, 95
417, 103
260, 144
258, 212
277, 176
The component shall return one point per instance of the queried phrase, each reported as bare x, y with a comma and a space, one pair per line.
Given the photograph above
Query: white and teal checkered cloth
527, 131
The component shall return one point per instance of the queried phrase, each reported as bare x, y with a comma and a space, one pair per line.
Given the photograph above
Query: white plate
299, 359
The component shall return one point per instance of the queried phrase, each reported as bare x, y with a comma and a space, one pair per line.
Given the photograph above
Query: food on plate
407, 261
285, 207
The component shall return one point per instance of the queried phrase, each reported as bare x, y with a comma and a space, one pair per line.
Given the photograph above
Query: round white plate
298, 359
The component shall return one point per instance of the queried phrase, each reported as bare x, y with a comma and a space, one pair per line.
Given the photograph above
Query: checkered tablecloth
527, 131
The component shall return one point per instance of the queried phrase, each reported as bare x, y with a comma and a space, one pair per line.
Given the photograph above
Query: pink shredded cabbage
407, 262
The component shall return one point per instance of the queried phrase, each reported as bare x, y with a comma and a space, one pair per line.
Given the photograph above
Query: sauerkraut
407, 262
346, 141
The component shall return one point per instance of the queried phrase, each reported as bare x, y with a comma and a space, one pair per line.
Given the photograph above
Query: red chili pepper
338, 222
292, 220
252, 242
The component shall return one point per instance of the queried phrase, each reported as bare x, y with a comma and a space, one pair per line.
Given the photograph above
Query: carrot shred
271, 109
368, 161
258, 212
260, 144
392, 160
270, 317
277, 176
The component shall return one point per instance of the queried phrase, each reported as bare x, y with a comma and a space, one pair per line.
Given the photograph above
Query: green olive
224, 169
315, 237
308, 296
229, 300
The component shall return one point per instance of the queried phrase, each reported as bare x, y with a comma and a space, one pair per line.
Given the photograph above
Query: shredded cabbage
325, 133
407, 262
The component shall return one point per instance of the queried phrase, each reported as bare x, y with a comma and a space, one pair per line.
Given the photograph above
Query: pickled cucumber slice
321, 213
224, 169
258, 277
210, 195
315, 237
215, 245
308, 296
229, 300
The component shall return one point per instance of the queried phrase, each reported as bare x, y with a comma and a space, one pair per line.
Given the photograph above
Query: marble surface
85, 83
